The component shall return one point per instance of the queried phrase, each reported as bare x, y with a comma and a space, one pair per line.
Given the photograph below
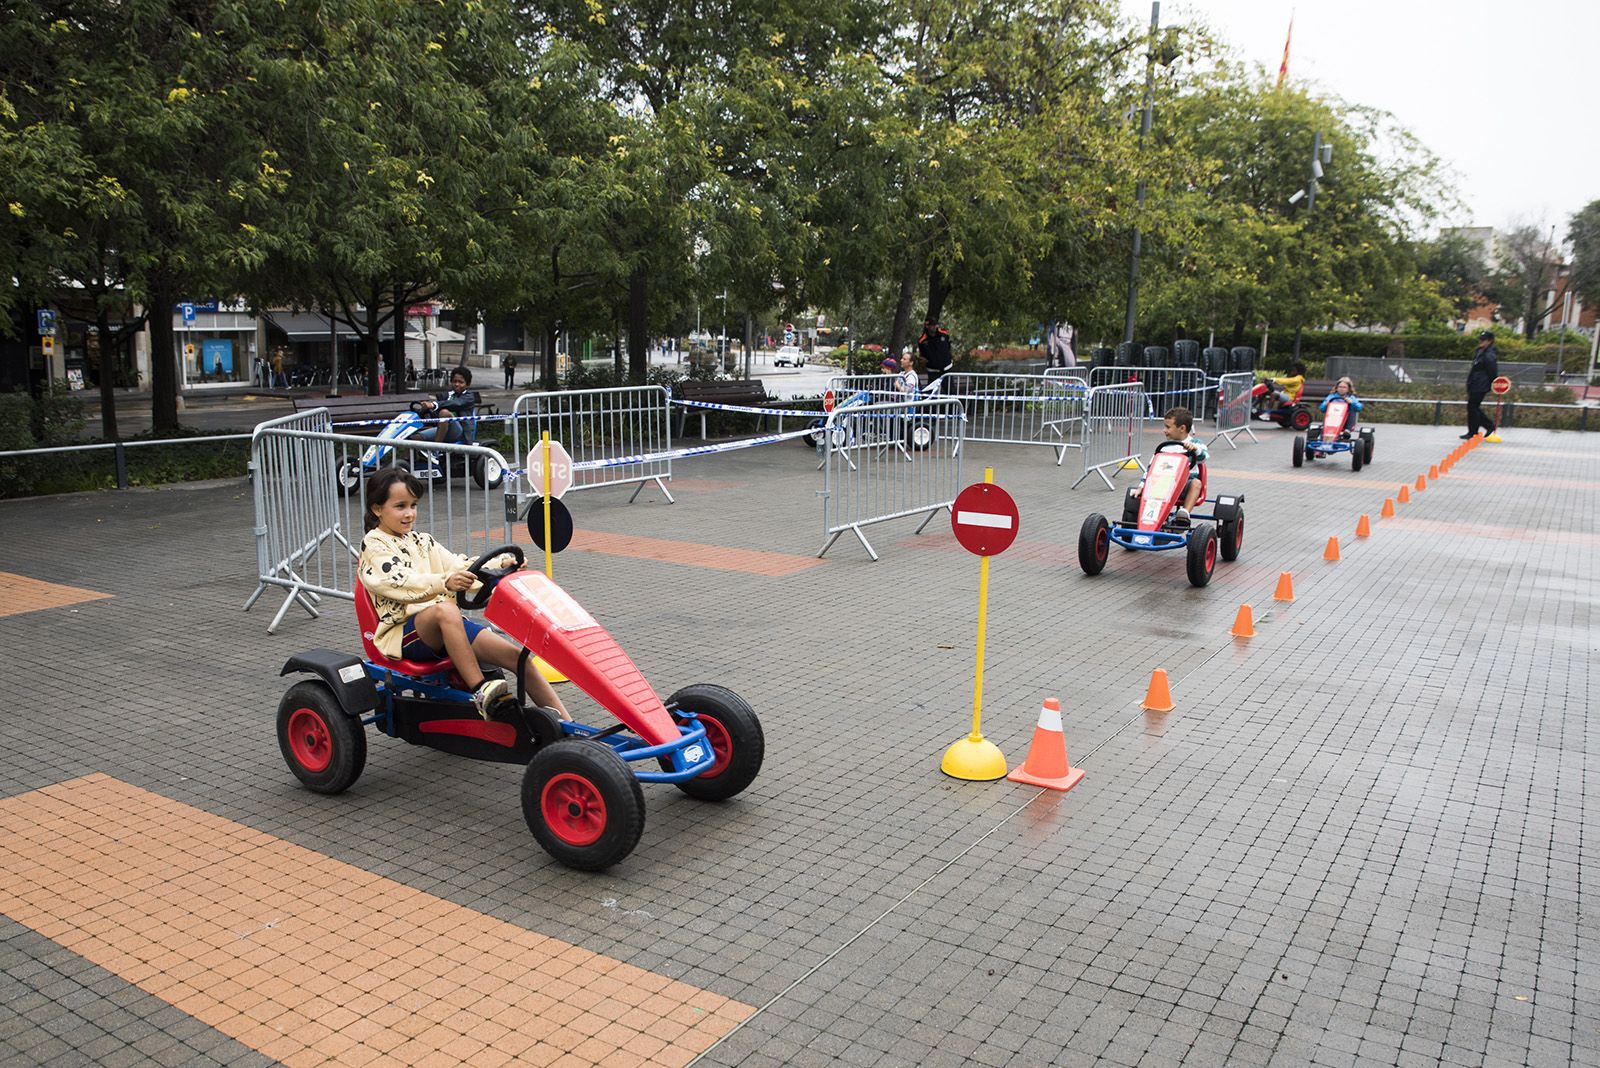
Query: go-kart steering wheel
422, 408
1168, 441
488, 576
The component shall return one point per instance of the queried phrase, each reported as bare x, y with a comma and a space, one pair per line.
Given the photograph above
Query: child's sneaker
1180, 516
488, 694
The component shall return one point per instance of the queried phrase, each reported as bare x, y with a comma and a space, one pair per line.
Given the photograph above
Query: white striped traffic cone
1047, 764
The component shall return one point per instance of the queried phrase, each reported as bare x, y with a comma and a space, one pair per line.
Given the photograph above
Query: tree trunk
397, 355
1238, 333
638, 325
163, 361
369, 342
547, 376
108, 379
902, 309
938, 289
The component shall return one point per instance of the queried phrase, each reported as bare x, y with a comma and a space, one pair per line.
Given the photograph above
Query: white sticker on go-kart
351, 673
694, 754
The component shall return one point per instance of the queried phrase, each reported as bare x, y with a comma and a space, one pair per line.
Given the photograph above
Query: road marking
311, 961
19, 594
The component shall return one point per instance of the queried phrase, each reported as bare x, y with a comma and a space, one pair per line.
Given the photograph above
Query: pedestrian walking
508, 364
1485, 369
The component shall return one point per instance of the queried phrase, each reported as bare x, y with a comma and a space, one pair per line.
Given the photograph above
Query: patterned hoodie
404, 575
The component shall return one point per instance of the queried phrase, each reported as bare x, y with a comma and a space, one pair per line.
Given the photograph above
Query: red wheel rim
573, 809
1211, 554
1238, 535
309, 740
1102, 542
721, 743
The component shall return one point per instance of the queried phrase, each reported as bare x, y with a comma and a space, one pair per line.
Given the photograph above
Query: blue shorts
412, 647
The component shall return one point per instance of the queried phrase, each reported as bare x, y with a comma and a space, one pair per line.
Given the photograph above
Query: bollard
121, 453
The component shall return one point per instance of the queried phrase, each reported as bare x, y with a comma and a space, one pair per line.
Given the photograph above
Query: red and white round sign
1501, 386
984, 518
827, 401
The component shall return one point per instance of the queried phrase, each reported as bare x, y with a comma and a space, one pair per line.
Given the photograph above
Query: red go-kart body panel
1333, 419
1163, 484
536, 613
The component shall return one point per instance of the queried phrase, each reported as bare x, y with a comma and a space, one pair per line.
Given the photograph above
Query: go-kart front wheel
1358, 454
1298, 456
1202, 553
324, 747
487, 472
734, 734
1094, 543
348, 476
919, 436
582, 804
1300, 419
1230, 536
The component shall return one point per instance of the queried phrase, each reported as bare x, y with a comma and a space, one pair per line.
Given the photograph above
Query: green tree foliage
1527, 260
1455, 263
1583, 234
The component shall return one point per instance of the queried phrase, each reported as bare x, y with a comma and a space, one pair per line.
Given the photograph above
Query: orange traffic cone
1047, 764
1158, 698
1433, 471
1405, 495
1422, 483
1285, 590
1244, 624
1331, 553
1388, 508
1363, 527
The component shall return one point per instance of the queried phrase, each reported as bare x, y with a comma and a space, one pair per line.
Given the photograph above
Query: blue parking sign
188, 312
47, 321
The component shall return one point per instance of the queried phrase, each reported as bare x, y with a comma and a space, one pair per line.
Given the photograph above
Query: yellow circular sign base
1129, 465
550, 674
975, 759
1495, 438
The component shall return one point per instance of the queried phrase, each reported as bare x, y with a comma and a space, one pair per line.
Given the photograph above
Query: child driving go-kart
1277, 400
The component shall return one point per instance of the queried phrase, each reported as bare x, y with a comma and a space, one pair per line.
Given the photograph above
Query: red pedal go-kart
1294, 415
580, 790
1333, 435
1147, 524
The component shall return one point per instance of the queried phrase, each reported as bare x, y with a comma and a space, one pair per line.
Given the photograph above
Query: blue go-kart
1332, 436
1147, 523
916, 433
486, 472
580, 787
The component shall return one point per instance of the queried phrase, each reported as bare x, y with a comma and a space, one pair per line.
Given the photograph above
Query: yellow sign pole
974, 757
550, 674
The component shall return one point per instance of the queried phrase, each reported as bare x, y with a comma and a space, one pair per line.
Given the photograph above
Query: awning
438, 333
307, 326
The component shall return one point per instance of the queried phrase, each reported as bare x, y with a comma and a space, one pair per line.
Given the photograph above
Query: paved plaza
1359, 839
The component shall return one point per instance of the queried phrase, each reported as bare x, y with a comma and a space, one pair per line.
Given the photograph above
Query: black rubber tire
1298, 456
348, 477
480, 466
735, 735
1094, 544
1358, 453
919, 436
1201, 555
595, 800
325, 747
1230, 537
1367, 451
812, 440
1300, 418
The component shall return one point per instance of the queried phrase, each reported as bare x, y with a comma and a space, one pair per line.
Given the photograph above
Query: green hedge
1319, 345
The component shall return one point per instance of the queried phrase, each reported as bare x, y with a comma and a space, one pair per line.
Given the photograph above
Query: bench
743, 392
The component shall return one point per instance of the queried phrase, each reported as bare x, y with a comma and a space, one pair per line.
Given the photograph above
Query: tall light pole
1320, 154
1144, 129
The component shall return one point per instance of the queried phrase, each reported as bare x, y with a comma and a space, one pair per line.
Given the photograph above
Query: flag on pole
1283, 68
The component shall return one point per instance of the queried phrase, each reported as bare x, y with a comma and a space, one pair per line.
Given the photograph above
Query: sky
1499, 91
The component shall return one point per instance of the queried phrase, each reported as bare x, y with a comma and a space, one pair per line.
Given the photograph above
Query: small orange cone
1405, 495
1422, 483
1433, 471
1363, 527
1388, 508
1331, 553
1285, 590
1244, 624
1047, 764
1158, 698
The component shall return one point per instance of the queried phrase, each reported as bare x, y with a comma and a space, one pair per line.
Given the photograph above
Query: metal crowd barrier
889, 460
1111, 439
1010, 409
1164, 387
310, 487
598, 427
886, 386
1233, 407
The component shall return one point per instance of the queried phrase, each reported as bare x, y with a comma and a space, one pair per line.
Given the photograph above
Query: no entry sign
1501, 386
984, 519
827, 401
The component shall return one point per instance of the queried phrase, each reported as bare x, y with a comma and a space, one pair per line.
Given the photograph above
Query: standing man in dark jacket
934, 348
1485, 368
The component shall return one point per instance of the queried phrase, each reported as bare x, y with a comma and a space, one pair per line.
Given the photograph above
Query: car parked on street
789, 356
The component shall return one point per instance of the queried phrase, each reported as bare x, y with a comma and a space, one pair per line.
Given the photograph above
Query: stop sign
984, 519
560, 469
1501, 385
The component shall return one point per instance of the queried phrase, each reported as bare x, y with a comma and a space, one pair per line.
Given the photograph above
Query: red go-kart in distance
580, 789
1292, 416
1334, 435
1147, 523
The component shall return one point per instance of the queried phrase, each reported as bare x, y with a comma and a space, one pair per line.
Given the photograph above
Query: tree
1521, 283
1455, 263
1583, 234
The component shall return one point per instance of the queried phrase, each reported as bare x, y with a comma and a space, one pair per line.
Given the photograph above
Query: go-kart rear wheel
1358, 453
1094, 543
1300, 419
919, 436
349, 476
1230, 536
1298, 456
324, 747
1202, 553
735, 736
582, 804
487, 472
1366, 440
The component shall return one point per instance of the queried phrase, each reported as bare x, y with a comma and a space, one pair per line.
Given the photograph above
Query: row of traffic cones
1047, 764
